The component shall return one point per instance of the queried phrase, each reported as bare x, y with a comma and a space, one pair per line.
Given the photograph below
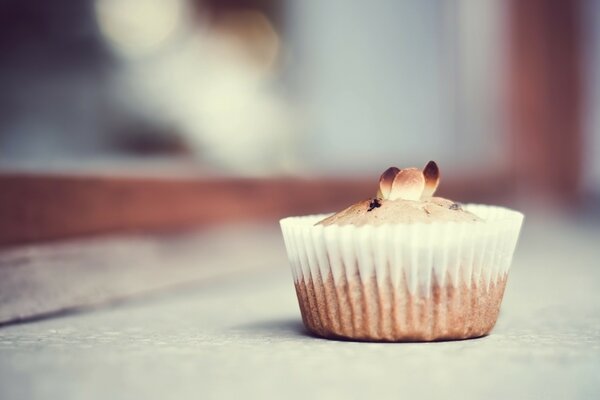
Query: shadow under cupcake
404, 265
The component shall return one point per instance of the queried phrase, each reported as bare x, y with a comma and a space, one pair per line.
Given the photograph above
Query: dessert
403, 265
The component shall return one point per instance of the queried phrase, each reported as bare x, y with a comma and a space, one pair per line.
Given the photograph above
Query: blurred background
294, 106
149, 147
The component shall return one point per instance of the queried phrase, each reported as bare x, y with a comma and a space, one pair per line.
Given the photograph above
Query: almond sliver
385, 182
408, 185
431, 173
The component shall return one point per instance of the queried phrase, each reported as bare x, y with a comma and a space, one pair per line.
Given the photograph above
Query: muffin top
404, 196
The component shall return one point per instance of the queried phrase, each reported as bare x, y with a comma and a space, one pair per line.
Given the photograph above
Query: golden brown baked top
404, 196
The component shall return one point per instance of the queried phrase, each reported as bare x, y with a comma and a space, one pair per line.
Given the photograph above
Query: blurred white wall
399, 82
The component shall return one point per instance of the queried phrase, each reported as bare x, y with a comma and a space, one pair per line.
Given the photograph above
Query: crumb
455, 206
374, 204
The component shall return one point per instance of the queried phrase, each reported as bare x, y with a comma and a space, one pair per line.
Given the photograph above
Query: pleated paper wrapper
402, 282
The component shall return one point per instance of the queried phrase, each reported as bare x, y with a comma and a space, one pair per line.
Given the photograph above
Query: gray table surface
241, 337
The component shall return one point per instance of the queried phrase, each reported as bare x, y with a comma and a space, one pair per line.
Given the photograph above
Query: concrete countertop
241, 337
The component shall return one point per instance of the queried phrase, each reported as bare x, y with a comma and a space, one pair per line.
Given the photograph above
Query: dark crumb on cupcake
455, 206
374, 204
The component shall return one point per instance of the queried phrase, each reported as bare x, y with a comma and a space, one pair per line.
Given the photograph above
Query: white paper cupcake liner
384, 282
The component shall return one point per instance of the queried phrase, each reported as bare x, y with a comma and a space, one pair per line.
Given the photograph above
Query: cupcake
403, 265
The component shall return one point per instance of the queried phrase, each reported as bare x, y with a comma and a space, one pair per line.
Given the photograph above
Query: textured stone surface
244, 338
51, 278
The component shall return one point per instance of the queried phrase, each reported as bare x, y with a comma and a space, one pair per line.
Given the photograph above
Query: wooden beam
40, 207
545, 99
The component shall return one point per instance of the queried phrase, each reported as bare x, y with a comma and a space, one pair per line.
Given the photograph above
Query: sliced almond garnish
385, 182
408, 185
431, 173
